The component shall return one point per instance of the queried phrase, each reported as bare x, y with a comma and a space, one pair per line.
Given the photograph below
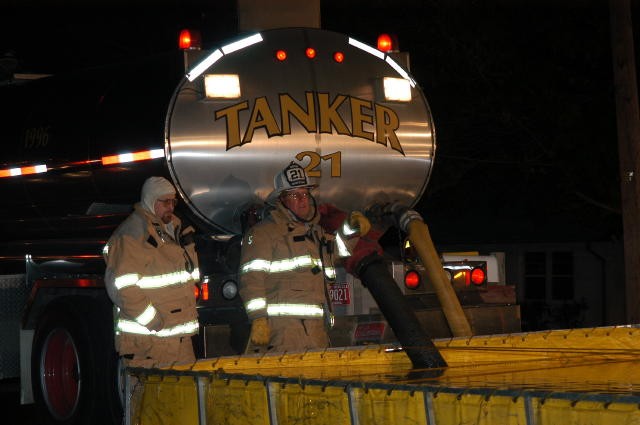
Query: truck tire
74, 365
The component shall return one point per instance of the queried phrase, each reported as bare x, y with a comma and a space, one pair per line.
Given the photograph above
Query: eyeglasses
166, 202
297, 196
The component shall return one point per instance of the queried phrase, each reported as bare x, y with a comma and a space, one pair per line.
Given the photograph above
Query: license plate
340, 293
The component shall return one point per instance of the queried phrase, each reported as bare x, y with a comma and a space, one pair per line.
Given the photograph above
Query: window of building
535, 266
562, 275
549, 275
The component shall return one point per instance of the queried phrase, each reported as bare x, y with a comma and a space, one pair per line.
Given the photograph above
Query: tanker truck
78, 147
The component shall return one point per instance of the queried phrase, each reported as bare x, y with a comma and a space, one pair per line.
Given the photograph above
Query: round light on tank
189, 39
229, 290
385, 43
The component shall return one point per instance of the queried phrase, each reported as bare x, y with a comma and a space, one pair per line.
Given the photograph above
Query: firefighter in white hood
151, 271
286, 263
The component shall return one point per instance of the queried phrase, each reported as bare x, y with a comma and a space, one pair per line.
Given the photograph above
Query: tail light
412, 279
466, 273
228, 290
201, 291
478, 276
204, 291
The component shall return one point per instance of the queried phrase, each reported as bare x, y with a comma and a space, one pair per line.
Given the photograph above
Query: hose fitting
403, 215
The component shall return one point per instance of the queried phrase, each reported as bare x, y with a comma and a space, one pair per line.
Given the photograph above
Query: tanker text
321, 115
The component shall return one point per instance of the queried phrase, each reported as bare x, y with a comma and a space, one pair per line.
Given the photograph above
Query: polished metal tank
360, 148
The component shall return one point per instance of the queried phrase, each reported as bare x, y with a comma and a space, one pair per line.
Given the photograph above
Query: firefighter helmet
293, 176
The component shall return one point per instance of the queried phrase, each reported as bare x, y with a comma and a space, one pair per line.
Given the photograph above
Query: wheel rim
60, 377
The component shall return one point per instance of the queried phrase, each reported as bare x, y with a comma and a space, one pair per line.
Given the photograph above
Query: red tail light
201, 292
478, 276
412, 279
204, 291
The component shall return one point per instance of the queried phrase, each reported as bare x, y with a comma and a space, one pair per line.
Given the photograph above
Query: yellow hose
421, 240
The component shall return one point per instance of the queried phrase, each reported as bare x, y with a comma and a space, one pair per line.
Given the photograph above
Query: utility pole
628, 124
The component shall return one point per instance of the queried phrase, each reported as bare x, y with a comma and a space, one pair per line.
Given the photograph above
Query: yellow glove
359, 221
260, 331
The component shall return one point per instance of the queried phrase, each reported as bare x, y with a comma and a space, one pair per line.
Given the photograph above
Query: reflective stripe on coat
281, 268
150, 278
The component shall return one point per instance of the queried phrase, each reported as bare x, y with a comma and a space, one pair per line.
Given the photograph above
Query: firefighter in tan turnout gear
287, 261
151, 270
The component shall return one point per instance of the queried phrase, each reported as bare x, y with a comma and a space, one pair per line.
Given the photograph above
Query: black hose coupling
403, 215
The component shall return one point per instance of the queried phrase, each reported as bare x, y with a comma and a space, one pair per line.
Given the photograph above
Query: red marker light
412, 279
189, 40
310, 52
85, 283
385, 43
338, 57
281, 55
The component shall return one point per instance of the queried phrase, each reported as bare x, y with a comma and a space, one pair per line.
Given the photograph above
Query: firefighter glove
260, 331
360, 222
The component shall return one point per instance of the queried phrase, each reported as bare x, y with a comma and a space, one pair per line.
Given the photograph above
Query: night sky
521, 93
